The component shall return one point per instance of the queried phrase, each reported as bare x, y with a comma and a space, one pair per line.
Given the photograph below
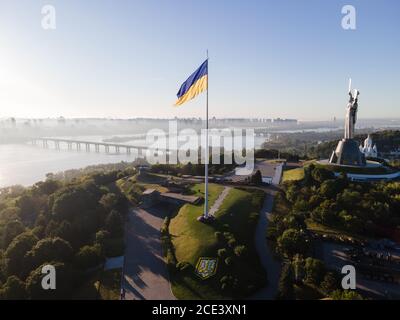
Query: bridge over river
88, 146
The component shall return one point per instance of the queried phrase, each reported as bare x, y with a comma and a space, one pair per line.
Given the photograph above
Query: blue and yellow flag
194, 85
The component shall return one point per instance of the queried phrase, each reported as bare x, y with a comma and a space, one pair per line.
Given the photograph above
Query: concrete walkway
271, 266
145, 275
219, 200
276, 180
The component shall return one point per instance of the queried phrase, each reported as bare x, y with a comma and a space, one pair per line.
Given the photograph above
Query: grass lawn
293, 174
298, 173
192, 239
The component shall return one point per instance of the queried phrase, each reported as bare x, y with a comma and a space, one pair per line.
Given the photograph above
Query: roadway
145, 275
271, 265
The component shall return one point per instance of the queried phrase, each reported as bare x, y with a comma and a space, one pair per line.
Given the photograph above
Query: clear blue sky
287, 58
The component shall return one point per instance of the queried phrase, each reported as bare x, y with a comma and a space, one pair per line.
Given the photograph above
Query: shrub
171, 261
240, 251
232, 243
101, 237
165, 226
226, 226
345, 295
219, 236
228, 282
222, 253
229, 261
228, 235
183, 265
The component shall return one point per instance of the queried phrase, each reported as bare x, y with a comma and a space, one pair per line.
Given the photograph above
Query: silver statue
351, 115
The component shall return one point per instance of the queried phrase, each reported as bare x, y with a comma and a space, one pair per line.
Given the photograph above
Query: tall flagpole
206, 155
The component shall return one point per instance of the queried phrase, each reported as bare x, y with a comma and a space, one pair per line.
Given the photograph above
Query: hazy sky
267, 58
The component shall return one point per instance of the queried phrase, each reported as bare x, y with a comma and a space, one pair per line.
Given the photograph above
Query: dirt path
145, 272
219, 200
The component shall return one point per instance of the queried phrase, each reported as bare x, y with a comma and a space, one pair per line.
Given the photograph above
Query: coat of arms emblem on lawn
206, 267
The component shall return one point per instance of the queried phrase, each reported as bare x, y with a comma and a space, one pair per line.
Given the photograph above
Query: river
26, 164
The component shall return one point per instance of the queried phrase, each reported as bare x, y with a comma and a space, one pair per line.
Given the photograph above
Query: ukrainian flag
194, 85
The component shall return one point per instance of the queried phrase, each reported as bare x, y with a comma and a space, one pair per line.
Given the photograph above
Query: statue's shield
206, 267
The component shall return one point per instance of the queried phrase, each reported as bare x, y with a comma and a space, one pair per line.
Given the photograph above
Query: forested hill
385, 141
72, 225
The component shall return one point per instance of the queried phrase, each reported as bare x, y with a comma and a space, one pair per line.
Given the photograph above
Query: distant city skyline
290, 59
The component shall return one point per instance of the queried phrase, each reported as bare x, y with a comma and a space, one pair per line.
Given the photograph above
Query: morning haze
289, 59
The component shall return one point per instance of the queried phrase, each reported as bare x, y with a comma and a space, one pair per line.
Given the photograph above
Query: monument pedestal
347, 153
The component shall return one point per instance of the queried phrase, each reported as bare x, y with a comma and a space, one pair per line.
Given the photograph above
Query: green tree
9, 213
291, 242
66, 280
16, 251
27, 207
13, 289
229, 261
298, 268
329, 189
65, 231
315, 271
240, 251
11, 230
101, 238
256, 178
325, 213
49, 249
51, 228
330, 283
115, 224
222, 253
88, 257
286, 285
321, 174
72, 202
109, 201
292, 192
47, 187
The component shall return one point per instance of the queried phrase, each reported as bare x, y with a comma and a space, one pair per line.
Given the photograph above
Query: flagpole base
206, 219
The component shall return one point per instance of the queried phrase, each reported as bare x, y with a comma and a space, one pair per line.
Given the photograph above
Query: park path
219, 200
145, 275
270, 264
276, 180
